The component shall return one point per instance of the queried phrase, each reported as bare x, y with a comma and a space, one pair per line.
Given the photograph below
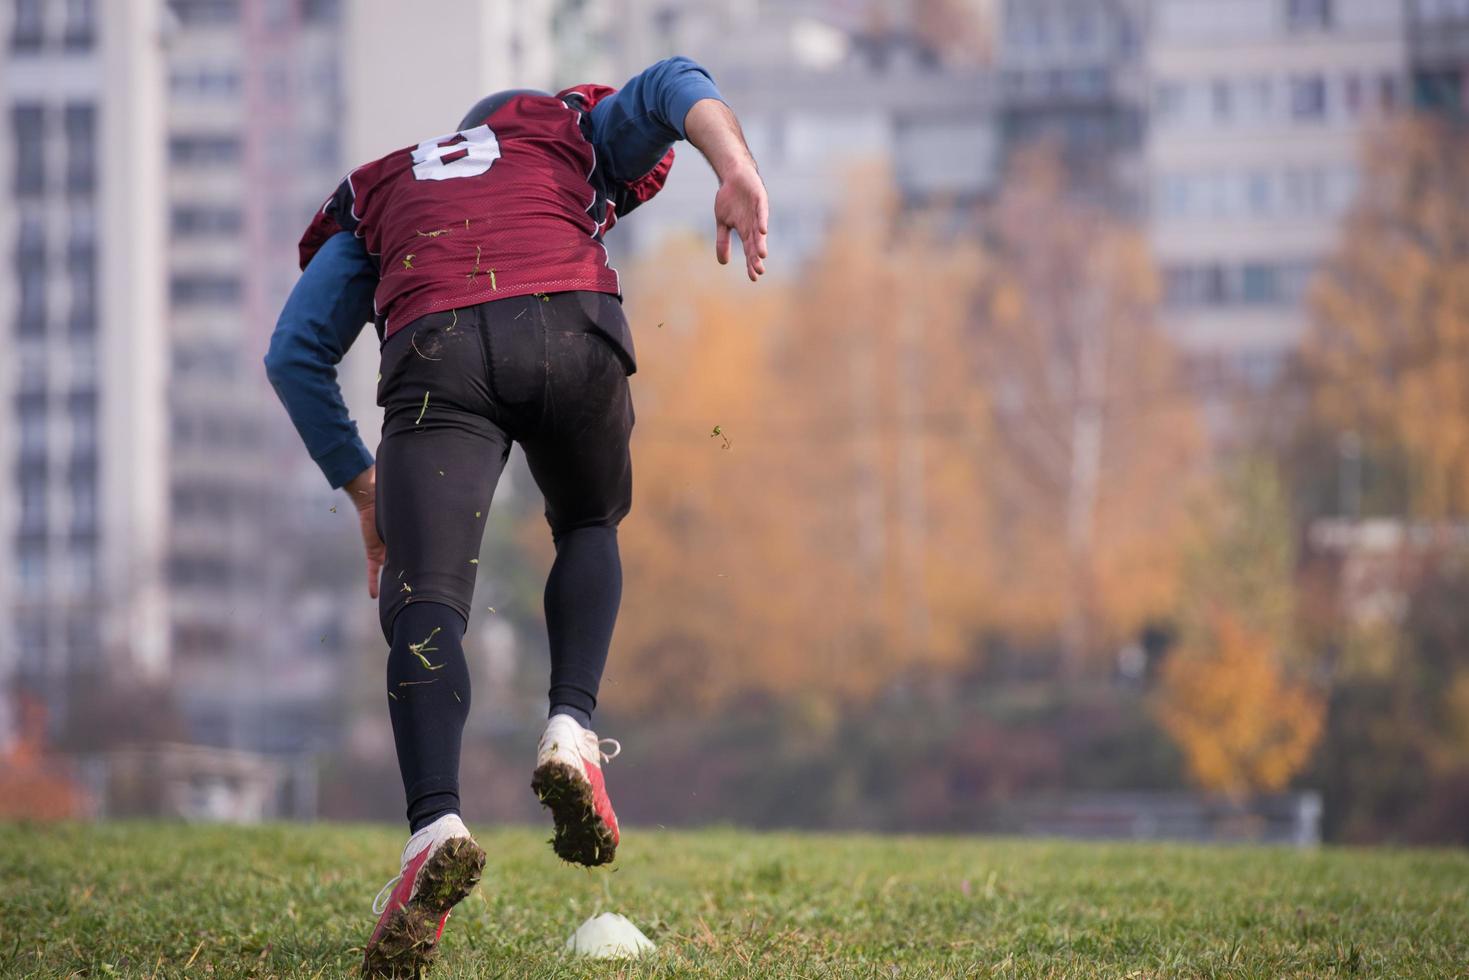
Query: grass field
164, 900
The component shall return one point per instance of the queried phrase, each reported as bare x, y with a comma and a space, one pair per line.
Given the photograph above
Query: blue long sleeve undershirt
631, 130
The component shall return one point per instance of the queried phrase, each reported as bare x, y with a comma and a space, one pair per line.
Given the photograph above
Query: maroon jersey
515, 205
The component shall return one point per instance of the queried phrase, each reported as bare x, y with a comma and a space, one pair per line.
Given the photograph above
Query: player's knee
602, 527
413, 615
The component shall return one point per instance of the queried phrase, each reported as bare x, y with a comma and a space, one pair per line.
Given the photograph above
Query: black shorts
456, 389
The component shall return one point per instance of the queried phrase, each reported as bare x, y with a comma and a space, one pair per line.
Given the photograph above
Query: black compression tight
428, 700
583, 593
428, 677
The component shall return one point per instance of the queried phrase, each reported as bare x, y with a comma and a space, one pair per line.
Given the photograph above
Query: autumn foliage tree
929, 436
1389, 347
1097, 451
810, 510
1388, 358
1234, 696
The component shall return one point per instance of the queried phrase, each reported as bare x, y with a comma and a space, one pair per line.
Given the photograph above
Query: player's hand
363, 490
742, 207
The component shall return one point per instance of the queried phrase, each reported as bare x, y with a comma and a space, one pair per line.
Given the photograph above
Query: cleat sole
409, 942
581, 836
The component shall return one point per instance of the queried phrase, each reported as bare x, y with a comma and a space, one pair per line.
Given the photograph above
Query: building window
211, 360
205, 288
1308, 15
1169, 100
80, 32
31, 637
197, 150
32, 567
28, 125
81, 405
1352, 98
188, 220
1440, 91
1223, 99
205, 82
1387, 88
194, 571
28, 30
1308, 97
1443, 10
81, 148
83, 510
31, 407
1212, 285
205, 12
83, 639
1257, 193
321, 11
30, 267
32, 480
31, 317
81, 273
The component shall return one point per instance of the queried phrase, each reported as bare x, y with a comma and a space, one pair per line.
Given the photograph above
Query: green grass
168, 900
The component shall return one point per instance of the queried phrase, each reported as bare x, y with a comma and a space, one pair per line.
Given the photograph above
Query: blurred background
1094, 460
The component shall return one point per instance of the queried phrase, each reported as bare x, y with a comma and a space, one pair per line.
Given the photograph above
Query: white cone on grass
608, 936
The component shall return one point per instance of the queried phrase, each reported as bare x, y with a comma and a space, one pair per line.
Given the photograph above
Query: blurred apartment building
1233, 130
1072, 74
822, 89
1230, 129
1258, 115
254, 109
162, 157
83, 515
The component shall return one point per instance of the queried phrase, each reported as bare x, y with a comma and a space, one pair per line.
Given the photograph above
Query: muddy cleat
441, 865
568, 781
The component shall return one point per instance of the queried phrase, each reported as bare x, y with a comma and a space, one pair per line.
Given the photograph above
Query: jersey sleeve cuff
340, 465
694, 86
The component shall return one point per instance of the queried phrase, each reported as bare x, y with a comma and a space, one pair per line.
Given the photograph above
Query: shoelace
385, 895
616, 749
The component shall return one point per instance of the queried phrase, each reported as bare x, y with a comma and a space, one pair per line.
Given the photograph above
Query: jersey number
467, 153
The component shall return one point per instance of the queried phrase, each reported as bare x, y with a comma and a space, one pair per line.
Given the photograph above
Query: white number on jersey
480, 149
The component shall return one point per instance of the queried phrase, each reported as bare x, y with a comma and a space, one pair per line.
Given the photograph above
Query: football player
479, 256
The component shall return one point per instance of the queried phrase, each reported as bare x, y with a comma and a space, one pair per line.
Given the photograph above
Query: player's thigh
440, 458
580, 458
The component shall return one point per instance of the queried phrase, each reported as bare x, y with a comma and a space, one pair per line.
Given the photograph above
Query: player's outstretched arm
740, 205
635, 128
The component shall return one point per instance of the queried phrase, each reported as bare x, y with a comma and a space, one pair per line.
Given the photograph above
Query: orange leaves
1097, 449
1242, 723
838, 537
1230, 696
1389, 348
925, 446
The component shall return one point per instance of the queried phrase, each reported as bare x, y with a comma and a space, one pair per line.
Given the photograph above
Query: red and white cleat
568, 781
441, 865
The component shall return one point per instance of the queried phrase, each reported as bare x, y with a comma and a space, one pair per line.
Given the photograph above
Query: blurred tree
1095, 454
1230, 695
1389, 347
1388, 356
1395, 762
33, 784
931, 437
1241, 723
811, 507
